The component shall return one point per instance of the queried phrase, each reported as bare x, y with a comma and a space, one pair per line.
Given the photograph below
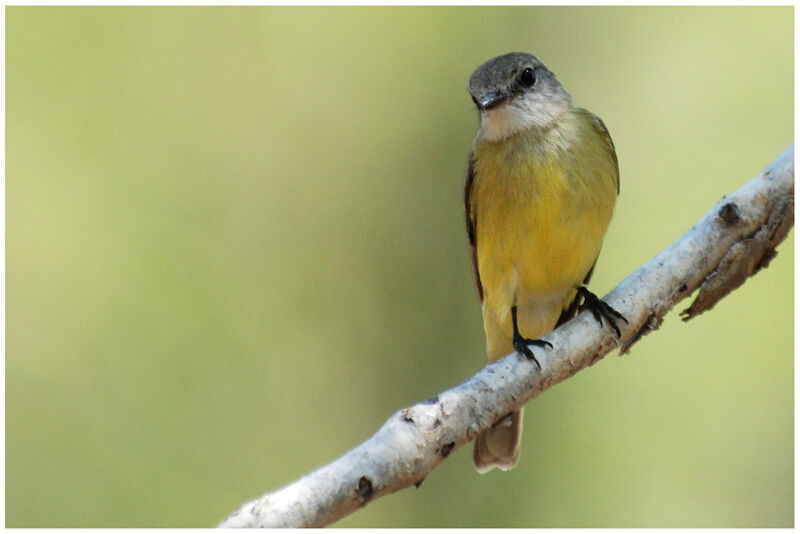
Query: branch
733, 241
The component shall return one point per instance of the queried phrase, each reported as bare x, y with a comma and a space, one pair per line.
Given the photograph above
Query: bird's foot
600, 309
522, 345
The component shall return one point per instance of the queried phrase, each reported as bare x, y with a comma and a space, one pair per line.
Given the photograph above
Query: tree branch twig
730, 243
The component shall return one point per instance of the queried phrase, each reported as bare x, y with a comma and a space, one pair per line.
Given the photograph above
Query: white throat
521, 113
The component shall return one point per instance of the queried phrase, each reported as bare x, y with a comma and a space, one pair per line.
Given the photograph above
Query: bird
541, 184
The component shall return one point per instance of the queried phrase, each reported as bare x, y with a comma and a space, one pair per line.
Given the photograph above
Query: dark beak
490, 100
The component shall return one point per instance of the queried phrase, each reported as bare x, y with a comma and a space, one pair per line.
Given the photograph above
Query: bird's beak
490, 100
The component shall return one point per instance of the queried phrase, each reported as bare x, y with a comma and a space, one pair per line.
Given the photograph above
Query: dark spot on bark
432, 400
447, 449
419, 482
406, 418
683, 288
730, 214
436, 423
364, 490
650, 325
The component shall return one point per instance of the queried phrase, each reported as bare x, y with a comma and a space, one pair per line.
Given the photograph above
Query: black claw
600, 309
521, 344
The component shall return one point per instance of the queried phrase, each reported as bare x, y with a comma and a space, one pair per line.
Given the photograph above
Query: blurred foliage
235, 245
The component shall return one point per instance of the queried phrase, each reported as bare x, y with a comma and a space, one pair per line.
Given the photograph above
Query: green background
235, 245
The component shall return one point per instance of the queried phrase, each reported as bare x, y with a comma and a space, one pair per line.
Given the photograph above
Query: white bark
734, 240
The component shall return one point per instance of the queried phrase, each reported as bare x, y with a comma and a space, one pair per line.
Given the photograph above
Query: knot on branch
364, 490
730, 214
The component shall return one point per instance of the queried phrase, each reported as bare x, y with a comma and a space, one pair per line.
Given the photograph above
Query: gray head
514, 92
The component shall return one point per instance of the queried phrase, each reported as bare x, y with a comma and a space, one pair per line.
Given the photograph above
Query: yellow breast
541, 204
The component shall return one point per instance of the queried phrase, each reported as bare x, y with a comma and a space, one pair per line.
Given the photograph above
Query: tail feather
499, 446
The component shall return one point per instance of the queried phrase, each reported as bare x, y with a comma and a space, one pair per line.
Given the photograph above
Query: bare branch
733, 241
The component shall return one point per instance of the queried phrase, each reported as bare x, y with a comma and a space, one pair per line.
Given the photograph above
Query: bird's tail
499, 446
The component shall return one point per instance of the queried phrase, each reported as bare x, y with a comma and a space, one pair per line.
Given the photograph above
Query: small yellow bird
540, 189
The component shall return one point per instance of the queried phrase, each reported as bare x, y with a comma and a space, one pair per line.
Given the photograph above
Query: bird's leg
521, 344
600, 309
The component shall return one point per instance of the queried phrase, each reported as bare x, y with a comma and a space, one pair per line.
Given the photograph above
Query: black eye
527, 77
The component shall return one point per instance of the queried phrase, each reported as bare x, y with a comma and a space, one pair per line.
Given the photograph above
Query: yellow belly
540, 222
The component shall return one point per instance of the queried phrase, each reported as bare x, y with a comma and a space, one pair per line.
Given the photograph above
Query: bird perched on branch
540, 189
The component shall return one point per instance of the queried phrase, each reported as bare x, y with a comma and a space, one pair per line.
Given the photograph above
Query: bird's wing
600, 128
472, 226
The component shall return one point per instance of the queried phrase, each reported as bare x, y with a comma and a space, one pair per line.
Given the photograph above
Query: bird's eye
527, 77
